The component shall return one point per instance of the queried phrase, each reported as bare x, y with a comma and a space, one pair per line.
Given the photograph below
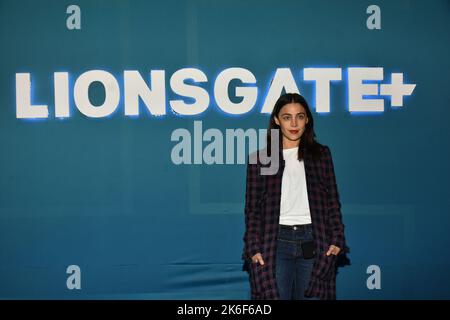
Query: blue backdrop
104, 194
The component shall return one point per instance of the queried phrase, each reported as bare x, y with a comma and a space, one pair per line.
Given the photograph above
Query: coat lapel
309, 174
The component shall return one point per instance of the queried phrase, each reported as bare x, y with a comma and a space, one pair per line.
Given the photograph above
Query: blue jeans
293, 271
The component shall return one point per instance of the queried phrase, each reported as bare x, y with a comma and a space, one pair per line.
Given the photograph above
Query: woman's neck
289, 144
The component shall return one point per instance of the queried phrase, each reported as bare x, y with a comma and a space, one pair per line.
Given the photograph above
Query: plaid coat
262, 212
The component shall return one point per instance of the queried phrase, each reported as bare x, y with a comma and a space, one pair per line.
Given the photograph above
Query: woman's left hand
333, 250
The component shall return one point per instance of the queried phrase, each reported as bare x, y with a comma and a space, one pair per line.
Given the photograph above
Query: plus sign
397, 89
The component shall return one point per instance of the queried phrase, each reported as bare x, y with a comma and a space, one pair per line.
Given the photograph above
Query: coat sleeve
334, 204
253, 219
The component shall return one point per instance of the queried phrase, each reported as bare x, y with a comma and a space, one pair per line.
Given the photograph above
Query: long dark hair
308, 142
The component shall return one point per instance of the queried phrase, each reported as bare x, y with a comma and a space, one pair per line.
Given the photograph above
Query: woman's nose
294, 122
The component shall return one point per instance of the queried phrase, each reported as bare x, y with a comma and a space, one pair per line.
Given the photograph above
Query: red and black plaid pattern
262, 212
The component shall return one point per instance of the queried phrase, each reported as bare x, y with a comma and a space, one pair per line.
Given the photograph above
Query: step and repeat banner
124, 131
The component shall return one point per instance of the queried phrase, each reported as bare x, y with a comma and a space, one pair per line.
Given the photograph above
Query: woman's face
292, 120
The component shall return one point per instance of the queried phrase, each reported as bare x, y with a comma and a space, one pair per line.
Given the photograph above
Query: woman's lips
293, 131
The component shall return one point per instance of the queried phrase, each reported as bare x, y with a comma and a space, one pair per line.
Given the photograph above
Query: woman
294, 229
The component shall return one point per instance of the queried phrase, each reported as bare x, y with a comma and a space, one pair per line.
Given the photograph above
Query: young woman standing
293, 224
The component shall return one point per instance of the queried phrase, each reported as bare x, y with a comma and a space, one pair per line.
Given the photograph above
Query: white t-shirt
294, 194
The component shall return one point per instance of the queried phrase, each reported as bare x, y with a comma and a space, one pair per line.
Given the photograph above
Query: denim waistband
295, 233
300, 227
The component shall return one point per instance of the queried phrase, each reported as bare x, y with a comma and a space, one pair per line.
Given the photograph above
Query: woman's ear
276, 120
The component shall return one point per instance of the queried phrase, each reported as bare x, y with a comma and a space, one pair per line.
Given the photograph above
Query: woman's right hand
257, 258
